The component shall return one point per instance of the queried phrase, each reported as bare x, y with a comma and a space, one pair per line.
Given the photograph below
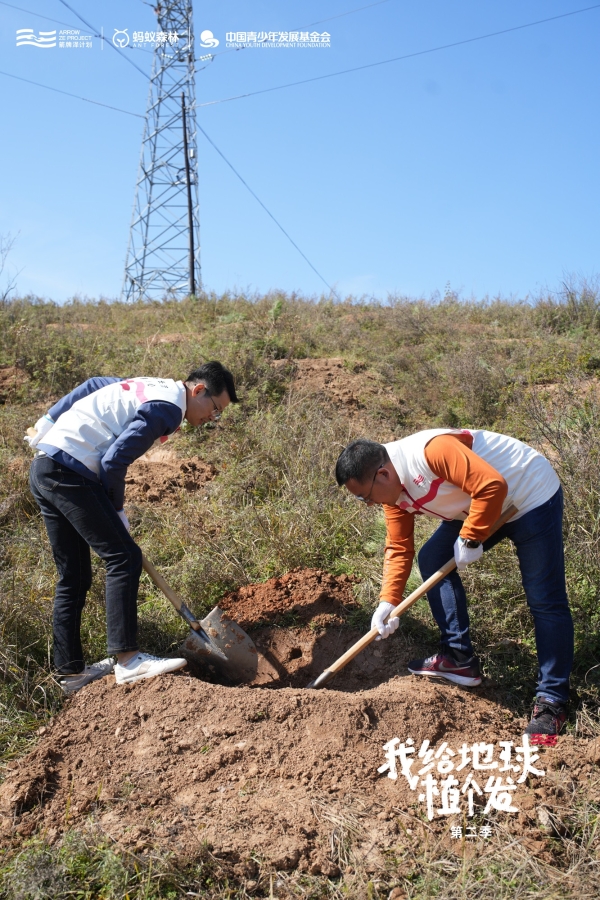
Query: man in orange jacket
467, 478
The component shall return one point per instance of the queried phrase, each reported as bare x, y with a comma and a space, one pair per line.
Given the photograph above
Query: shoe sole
447, 676
73, 690
148, 675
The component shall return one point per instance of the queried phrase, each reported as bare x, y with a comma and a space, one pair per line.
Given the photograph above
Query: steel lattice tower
158, 254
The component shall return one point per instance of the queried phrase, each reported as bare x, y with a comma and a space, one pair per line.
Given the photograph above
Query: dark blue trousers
78, 515
537, 537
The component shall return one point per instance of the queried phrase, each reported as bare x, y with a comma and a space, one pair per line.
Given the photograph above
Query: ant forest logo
120, 38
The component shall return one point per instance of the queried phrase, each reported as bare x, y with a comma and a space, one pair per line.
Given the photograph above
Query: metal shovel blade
216, 641
229, 649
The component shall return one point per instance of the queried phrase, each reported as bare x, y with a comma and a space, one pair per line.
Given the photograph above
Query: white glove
123, 518
384, 629
465, 555
41, 427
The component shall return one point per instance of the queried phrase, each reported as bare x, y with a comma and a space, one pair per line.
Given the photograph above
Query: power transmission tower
163, 256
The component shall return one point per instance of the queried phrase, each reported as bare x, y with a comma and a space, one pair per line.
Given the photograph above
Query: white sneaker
143, 665
72, 683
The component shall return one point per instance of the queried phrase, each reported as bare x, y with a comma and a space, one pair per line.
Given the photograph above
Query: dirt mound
162, 476
349, 388
11, 379
301, 595
174, 762
287, 774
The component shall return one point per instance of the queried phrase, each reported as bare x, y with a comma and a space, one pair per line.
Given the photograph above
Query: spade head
223, 645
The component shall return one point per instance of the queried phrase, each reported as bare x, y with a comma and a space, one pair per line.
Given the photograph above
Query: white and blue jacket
106, 423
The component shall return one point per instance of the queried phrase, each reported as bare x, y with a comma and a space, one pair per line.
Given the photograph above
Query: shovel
216, 640
326, 676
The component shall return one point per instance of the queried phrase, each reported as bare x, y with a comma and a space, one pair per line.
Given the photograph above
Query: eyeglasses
368, 497
217, 412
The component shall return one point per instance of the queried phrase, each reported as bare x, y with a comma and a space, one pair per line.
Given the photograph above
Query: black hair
216, 378
359, 460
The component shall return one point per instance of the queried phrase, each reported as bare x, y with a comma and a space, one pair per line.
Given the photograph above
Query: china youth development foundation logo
279, 39
207, 39
26, 37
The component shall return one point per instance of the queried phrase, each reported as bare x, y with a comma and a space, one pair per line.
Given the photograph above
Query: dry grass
527, 369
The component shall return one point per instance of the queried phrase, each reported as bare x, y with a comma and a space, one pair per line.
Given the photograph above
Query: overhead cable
39, 15
384, 62
108, 43
348, 12
270, 214
60, 22
68, 94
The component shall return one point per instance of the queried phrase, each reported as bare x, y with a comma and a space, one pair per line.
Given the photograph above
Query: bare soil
350, 388
273, 769
299, 597
161, 476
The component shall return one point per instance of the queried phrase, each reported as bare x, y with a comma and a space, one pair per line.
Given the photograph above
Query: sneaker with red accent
547, 718
442, 665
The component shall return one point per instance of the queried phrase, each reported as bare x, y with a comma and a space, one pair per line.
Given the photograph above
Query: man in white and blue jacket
84, 445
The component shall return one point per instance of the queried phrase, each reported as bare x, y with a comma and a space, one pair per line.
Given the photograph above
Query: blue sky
475, 166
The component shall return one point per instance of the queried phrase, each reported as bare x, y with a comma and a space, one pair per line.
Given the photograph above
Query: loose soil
272, 769
161, 476
350, 389
299, 597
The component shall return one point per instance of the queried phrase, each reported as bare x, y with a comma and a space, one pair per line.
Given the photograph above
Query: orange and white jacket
463, 474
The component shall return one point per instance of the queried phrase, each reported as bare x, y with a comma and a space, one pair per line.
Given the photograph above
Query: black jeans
78, 515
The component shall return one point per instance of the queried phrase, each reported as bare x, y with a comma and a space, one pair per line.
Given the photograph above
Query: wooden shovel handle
171, 596
364, 641
161, 584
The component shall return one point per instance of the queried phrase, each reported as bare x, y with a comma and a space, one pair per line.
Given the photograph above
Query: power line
310, 25
348, 13
39, 15
384, 62
68, 94
290, 84
221, 154
60, 22
108, 43
212, 55
270, 214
